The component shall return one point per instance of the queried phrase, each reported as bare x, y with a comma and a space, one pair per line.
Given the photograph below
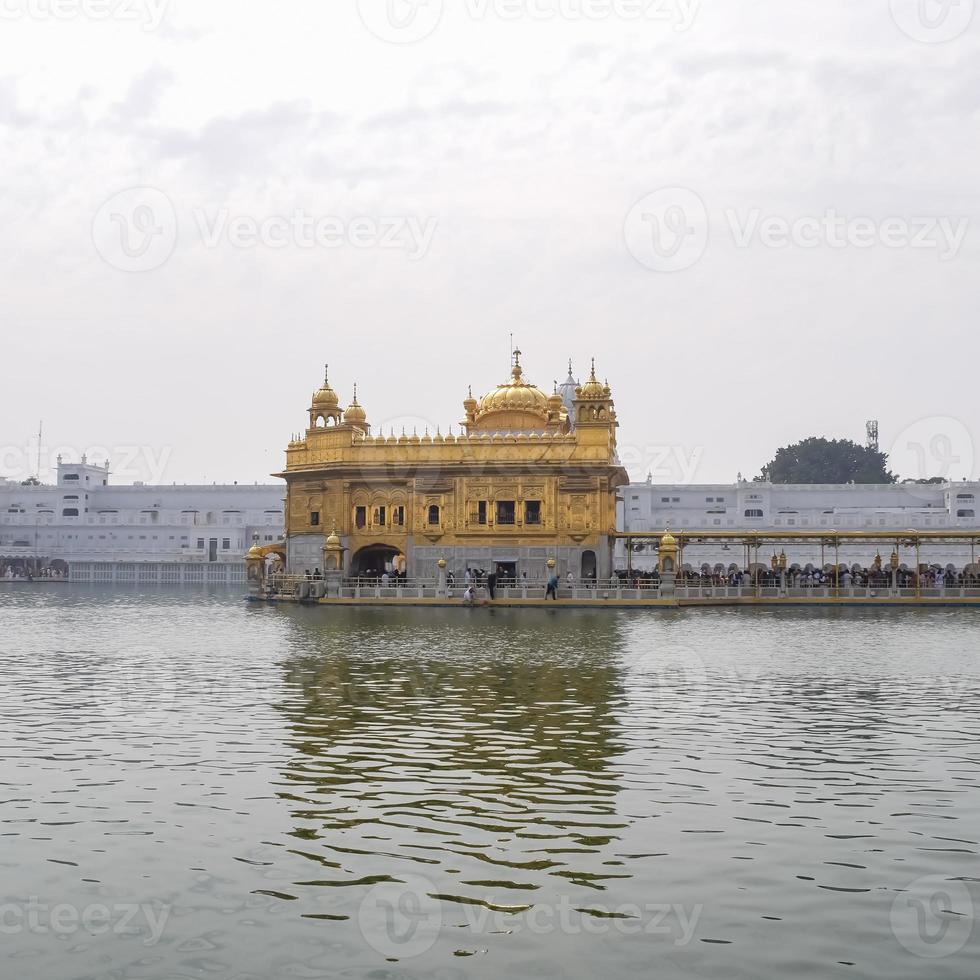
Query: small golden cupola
470, 406
593, 403
557, 415
517, 406
355, 414
593, 390
326, 405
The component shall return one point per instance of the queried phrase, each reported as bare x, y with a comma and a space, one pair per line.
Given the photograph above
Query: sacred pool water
196, 787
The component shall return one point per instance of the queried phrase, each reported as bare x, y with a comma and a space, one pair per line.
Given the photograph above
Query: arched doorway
588, 566
374, 560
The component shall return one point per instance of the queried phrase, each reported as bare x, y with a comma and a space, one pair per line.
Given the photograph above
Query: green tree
816, 460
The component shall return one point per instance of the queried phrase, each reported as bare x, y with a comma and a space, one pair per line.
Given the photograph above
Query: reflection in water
483, 758
303, 793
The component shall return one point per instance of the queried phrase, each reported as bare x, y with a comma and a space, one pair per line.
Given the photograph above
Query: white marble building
775, 507
85, 521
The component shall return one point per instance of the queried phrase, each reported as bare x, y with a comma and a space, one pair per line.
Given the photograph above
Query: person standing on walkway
552, 592
492, 585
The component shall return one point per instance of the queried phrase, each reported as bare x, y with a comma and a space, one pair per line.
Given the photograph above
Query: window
506, 512
966, 513
72, 477
481, 512
200, 544
532, 512
964, 496
751, 512
314, 518
665, 500
70, 512
380, 516
226, 544
434, 514
398, 516
360, 517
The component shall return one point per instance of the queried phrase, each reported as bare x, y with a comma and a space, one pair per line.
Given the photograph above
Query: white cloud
529, 143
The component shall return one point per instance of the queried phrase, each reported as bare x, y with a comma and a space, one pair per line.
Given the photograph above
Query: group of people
478, 578
933, 576
26, 573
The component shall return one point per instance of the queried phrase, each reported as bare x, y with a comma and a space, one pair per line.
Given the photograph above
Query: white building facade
102, 532
748, 506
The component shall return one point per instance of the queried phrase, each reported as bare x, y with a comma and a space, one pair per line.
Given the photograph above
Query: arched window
434, 514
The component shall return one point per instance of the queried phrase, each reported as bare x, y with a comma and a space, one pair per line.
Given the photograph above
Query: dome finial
517, 370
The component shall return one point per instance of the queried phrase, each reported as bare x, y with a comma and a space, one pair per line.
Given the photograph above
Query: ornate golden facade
529, 477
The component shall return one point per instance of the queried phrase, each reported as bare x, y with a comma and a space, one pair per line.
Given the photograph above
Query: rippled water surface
301, 793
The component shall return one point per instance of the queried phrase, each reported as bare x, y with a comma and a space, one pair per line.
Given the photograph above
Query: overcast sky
760, 217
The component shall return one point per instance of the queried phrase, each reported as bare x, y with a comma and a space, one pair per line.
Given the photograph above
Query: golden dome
516, 398
593, 389
355, 414
333, 542
326, 397
254, 552
668, 540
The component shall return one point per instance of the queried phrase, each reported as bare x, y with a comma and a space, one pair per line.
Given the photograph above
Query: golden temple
530, 478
